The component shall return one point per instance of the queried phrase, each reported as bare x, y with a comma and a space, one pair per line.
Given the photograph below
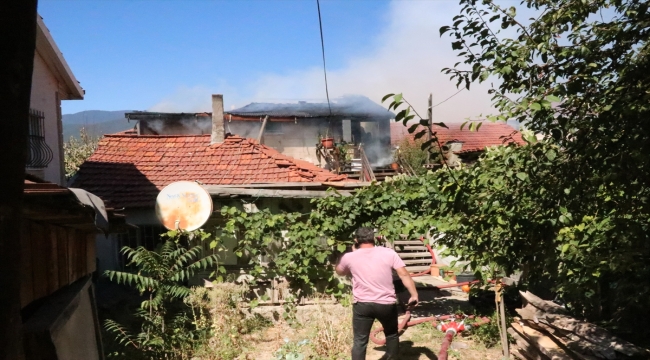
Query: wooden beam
259, 136
216, 190
27, 277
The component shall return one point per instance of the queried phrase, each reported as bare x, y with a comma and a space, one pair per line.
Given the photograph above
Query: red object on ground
449, 336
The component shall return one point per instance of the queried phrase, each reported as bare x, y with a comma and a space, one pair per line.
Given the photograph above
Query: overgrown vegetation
411, 154
570, 212
166, 326
77, 150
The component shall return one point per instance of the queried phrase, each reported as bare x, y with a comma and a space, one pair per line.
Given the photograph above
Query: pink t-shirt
372, 276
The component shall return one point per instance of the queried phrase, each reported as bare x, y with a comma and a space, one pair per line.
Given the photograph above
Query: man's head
364, 235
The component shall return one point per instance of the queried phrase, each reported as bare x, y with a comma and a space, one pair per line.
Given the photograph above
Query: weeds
291, 350
488, 334
228, 320
331, 336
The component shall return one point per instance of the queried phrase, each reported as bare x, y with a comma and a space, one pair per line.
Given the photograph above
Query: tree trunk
17, 41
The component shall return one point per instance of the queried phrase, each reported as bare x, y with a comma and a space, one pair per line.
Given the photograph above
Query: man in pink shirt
371, 269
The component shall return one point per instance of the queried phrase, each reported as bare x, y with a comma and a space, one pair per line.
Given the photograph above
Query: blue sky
171, 55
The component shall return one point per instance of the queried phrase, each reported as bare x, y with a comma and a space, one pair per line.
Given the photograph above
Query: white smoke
407, 57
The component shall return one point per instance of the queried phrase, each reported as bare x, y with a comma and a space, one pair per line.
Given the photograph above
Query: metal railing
39, 154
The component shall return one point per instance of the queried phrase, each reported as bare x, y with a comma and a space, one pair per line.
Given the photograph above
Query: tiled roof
130, 170
489, 134
352, 106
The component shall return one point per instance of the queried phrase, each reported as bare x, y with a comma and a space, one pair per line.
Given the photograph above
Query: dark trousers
363, 316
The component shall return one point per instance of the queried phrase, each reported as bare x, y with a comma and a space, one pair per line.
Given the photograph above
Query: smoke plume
407, 57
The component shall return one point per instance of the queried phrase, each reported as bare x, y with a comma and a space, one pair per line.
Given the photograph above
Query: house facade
128, 170
293, 129
52, 82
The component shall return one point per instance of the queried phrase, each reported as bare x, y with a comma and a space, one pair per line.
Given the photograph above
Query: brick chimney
218, 130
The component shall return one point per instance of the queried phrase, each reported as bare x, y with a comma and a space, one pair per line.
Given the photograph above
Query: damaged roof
490, 134
129, 170
354, 107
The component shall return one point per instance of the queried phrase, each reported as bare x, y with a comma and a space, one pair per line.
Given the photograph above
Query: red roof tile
490, 134
130, 170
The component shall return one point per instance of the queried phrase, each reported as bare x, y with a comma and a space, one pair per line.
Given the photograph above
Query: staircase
415, 255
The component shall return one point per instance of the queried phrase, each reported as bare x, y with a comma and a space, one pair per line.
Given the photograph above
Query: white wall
44, 98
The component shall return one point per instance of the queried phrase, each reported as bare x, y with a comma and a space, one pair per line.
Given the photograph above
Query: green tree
577, 72
570, 212
164, 327
76, 151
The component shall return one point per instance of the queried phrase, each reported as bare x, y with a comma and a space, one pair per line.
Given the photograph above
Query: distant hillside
96, 122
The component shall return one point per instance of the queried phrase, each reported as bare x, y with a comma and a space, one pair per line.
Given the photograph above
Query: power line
457, 92
322, 45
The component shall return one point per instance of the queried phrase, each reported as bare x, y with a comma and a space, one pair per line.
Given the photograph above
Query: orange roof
490, 134
129, 170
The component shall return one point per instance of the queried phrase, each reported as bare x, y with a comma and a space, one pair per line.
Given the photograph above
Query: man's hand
408, 283
413, 301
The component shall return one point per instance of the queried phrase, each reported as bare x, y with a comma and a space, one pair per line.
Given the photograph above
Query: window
39, 155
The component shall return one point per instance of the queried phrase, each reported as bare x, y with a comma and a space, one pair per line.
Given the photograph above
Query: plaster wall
45, 97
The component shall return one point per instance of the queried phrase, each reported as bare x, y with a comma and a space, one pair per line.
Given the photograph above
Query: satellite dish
183, 205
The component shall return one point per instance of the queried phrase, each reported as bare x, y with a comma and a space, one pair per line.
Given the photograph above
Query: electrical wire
322, 45
440, 103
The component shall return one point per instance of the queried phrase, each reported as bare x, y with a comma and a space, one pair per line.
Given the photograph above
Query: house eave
49, 51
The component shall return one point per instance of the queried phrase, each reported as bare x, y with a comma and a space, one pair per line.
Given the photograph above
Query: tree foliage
578, 73
76, 151
164, 326
570, 212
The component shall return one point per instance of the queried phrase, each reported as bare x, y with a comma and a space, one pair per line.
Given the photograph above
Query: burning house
328, 135
129, 169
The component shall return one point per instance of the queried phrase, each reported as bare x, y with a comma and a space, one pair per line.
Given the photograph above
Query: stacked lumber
545, 331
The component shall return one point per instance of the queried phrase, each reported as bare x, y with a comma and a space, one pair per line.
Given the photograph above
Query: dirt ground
332, 324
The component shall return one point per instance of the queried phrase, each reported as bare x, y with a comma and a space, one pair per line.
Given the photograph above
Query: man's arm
341, 271
341, 266
408, 283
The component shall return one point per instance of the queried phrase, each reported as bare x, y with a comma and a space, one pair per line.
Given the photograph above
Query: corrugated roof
490, 134
349, 106
129, 171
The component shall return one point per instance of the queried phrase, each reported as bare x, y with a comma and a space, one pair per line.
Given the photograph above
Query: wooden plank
62, 254
425, 254
91, 256
417, 261
39, 260
543, 343
72, 256
596, 335
420, 247
81, 265
26, 271
52, 259
408, 242
529, 312
579, 348
417, 268
519, 354
526, 348
547, 306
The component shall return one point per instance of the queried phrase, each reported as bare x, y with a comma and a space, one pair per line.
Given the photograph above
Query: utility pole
430, 124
